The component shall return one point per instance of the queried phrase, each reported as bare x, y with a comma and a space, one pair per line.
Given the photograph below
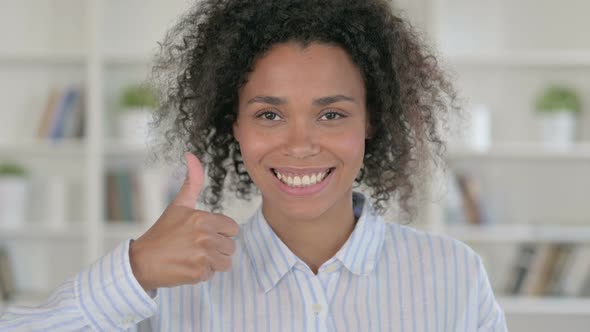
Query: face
301, 127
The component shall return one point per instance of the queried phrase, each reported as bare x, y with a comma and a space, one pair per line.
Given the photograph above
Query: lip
303, 191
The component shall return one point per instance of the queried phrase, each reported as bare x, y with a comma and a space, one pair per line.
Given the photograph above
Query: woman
299, 99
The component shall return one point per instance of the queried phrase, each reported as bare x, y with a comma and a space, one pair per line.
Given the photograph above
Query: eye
331, 116
269, 115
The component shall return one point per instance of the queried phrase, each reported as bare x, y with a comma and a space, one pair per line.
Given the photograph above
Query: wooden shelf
499, 234
57, 149
70, 148
522, 151
128, 59
44, 58
545, 305
121, 230
116, 148
41, 233
523, 58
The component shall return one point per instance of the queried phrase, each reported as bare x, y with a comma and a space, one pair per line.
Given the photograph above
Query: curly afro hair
207, 56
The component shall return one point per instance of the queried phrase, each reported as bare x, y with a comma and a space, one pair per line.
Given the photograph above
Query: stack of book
135, 195
551, 270
63, 116
7, 282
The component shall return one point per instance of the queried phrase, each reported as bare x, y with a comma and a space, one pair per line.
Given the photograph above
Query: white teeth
301, 181
305, 180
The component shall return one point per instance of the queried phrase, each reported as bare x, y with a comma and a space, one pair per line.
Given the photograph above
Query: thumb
191, 188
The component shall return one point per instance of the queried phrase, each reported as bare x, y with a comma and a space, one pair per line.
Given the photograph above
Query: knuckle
199, 274
198, 218
195, 261
205, 241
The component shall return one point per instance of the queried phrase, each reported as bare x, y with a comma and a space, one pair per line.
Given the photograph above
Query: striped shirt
386, 277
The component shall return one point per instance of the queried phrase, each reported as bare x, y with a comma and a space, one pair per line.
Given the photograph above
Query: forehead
318, 69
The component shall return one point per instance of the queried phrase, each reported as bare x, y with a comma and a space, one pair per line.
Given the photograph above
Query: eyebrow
323, 101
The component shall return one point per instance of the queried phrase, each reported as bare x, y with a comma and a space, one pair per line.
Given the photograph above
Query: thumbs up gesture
185, 245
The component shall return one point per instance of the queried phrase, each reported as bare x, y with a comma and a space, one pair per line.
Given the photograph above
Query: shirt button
330, 268
317, 308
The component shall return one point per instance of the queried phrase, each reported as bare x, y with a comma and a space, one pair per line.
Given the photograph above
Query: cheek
253, 147
351, 148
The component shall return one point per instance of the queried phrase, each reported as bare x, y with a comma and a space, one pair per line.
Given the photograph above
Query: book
63, 112
453, 211
520, 268
585, 290
576, 272
542, 270
465, 201
554, 285
7, 282
135, 195
124, 187
113, 209
73, 124
64, 115
473, 202
48, 114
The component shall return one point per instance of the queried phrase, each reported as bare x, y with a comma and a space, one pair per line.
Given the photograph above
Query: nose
301, 141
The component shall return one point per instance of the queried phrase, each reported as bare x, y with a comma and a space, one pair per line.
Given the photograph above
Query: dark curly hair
207, 56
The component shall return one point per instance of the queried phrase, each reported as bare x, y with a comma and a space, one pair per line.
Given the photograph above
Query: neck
318, 239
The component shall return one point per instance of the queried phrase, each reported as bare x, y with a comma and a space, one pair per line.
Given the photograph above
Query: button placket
329, 278
320, 308
314, 298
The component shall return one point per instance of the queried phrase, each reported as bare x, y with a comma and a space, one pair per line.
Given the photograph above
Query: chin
298, 209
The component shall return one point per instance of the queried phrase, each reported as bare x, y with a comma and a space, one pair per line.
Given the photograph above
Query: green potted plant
557, 108
14, 192
137, 103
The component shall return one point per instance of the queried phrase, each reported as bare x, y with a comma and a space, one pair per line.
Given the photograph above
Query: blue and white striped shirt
386, 277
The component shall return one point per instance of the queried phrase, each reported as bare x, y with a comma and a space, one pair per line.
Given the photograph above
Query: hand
185, 245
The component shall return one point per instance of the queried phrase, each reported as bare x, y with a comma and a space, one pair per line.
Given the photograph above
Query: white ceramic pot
133, 125
14, 195
558, 128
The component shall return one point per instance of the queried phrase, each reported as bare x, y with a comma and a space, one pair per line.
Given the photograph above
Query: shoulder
434, 246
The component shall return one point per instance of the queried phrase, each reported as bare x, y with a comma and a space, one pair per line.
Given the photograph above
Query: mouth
302, 178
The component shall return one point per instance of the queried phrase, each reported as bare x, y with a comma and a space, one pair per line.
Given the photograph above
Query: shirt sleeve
104, 297
491, 317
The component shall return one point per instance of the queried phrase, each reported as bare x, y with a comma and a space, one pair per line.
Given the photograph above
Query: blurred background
75, 176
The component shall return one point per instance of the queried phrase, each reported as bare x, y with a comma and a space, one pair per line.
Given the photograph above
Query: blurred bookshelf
59, 149
521, 151
44, 233
545, 306
63, 67
516, 200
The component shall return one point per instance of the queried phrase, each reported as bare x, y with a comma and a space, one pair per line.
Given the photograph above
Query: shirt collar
272, 259
360, 253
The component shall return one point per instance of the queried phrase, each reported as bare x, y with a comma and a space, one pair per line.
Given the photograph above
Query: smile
302, 178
